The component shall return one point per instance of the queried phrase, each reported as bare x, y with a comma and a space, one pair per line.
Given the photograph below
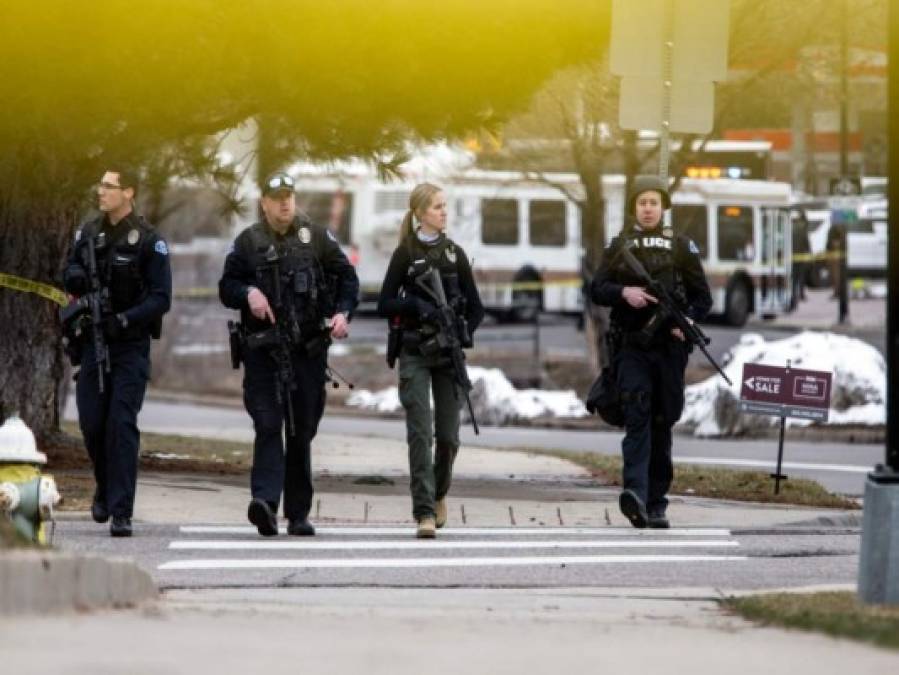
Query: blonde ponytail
419, 200
406, 227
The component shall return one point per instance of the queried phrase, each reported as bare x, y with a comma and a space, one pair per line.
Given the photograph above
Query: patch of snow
858, 393
494, 399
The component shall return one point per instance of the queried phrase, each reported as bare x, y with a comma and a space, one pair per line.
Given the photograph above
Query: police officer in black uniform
135, 276
649, 373
425, 369
290, 280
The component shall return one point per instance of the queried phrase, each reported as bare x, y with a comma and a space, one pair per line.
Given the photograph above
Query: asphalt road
558, 335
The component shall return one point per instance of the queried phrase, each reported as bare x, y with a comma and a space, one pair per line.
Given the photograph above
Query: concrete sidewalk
364, 630
365, 480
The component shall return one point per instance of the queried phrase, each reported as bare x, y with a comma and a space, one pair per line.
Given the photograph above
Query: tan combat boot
427, 529
440, 508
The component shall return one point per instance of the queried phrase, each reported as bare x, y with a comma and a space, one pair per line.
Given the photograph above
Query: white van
867, 240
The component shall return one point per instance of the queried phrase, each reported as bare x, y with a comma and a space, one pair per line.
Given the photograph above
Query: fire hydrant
27, 497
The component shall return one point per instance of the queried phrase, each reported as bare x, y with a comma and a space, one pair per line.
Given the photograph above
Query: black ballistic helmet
645, 183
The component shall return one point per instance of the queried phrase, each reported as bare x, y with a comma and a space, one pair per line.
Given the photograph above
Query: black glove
427, 311
75, 280
114, 325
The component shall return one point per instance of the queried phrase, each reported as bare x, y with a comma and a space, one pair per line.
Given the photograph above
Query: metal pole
667, 74
844, 273
844, 89
892, 334
538, 373
777, 475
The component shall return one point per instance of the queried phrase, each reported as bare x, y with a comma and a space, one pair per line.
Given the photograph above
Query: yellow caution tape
811, 257
28, 286
196, 292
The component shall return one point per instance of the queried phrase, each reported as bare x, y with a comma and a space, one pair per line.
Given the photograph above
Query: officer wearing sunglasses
132, 284
296, 291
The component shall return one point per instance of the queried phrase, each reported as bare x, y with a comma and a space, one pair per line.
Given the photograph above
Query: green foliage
84, 82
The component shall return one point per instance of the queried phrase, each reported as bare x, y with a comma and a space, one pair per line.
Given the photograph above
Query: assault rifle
281, 338
667, 309
95, 303
452, 334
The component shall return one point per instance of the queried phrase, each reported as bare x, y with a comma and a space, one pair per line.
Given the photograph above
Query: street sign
668, 53
642, 102
846, 186
785, 392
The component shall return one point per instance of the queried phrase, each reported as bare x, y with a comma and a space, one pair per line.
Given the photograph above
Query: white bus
524, 237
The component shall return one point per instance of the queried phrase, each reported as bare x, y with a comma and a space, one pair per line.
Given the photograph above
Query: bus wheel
736, 305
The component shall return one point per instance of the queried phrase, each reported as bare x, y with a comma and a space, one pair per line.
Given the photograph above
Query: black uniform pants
108, 421
281, 460
652, 384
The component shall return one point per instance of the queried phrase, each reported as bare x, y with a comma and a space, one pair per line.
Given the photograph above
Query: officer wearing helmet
649, 373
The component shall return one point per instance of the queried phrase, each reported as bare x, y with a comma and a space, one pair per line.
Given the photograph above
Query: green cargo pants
419, 377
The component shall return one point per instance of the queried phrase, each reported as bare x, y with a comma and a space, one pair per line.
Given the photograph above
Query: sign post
785, 392
878, 576
669, 54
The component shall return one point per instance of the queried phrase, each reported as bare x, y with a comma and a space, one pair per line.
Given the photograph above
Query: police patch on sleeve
161, 248
694, 249
331, 236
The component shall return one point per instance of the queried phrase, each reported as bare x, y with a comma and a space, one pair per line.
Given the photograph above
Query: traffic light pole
878, 578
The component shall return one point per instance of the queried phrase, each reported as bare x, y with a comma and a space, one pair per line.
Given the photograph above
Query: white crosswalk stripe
563, 547
473, 531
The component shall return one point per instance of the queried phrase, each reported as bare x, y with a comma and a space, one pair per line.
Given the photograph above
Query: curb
38, 582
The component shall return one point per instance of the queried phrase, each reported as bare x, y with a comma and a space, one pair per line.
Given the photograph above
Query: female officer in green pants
424, 367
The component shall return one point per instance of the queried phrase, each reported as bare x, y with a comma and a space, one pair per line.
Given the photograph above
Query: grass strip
165, 452
838, 614
716, 482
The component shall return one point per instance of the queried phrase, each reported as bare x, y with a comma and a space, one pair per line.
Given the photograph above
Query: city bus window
547, 218
735, 236
692, 220
499, 221
334, 210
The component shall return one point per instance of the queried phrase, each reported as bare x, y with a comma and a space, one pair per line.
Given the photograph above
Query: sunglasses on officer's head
279, 182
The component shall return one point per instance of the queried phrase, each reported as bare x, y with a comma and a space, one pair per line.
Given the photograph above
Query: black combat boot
263, 517
300, 527
633, 508
658, 520
99, 512
120, 526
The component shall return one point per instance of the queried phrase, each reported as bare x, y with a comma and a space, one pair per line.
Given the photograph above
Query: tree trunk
595, 318
34, 245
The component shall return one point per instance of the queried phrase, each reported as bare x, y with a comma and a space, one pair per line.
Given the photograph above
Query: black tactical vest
657, 251
119, 259
288, 272
444, 257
